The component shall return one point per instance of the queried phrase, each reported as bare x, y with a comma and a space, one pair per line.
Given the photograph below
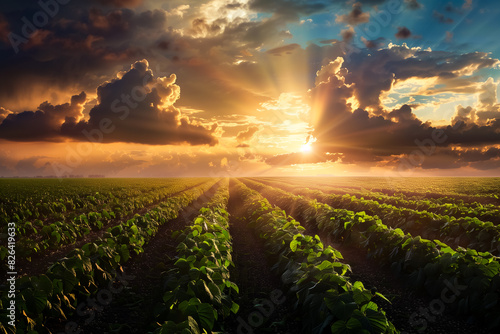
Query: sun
306, 148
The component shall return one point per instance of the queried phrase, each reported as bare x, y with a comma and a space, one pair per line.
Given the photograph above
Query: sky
150, 88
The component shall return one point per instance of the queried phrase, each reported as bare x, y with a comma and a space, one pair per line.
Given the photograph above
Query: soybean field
250, 255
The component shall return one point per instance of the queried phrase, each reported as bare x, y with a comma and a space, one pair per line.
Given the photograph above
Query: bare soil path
257, 283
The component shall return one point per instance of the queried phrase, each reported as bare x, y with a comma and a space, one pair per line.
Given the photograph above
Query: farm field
250, 255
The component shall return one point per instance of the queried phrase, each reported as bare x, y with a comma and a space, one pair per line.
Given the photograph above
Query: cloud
75, 51
289, 9
355, 17
464, 115
486, 111
288, 49
441, 18
140, 109
451, 8
245, 136
44, 124
179, 10
347, 34
356, 136
300, 158
3, 114
27, 167
403, 33
120, 3
413, 4
137, 107
373, 44
374, 74
4, 29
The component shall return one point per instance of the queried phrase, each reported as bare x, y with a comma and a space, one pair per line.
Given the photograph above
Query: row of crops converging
174, 244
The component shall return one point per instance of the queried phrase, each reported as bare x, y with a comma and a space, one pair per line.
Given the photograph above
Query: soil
257, 283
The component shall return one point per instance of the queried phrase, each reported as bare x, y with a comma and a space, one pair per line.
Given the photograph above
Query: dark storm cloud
135, 108
43, 124
446, 158
4, 29
360, 138
74, 46
139, 108
403, 33
120, 3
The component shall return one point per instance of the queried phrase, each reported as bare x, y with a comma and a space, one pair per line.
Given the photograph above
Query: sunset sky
140, 88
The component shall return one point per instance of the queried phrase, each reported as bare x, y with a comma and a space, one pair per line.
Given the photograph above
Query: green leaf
193, 325
338, 327
354, 324
36, 300
207, 316
42, 283
134, 229
362, 296
235, 308
377, 321
293, 245
324, 265
233, 286
383, 297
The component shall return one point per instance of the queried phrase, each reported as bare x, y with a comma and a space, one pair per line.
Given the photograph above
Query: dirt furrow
264, 307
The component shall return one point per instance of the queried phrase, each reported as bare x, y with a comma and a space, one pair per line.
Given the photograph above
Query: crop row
37, 236
457, 209
452, 190
466, 231
55, 295
198, 292
468, 280
313, 273
43, 205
